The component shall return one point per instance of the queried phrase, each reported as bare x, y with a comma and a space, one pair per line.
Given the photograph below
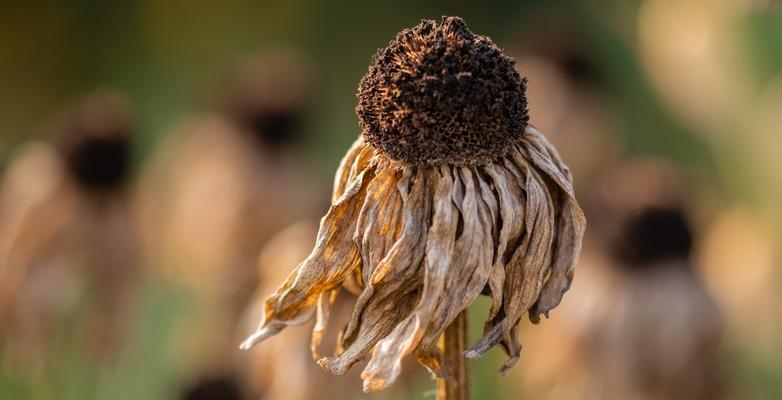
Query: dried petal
420, 243
334, 257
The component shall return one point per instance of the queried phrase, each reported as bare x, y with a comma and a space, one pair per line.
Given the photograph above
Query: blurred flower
654, 331
68, 241
268, 97
448, 192
220, 185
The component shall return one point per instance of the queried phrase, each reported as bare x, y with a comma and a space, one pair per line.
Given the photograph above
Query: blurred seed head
95, 140
213, 388
653, 235
558, 41
640, 215
268, 97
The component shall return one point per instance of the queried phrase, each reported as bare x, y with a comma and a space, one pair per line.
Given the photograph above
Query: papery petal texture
420, 243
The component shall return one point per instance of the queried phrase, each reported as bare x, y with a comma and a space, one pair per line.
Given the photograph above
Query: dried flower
449, 192
67, 233
654, 331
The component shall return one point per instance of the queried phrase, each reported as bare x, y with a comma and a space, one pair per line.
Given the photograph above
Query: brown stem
453, 342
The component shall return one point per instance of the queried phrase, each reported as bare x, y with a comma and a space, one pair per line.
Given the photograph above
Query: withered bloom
448, 192
69, 244
655, 331
221, 183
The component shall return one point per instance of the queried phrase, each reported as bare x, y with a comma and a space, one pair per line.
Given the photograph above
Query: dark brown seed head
441, 94
653, 236
95, 142
267, 97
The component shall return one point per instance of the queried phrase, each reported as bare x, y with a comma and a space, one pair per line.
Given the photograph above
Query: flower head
96, 142
448, 193
441, 94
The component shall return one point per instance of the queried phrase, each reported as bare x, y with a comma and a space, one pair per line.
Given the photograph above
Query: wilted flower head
448, 193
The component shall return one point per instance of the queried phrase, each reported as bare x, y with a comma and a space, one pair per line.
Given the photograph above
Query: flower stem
453, 343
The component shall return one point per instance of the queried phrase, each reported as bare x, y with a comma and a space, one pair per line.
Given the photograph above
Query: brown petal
405, 256
342, 177
379, 222
571, 222
570, 231
512, 209
385, 364
527, 267
380, 316
472, 259
391, 295
321, 320
334, 257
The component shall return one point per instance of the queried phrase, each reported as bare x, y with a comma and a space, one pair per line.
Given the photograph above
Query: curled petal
418, 244
334, 257
342, 177
385, 364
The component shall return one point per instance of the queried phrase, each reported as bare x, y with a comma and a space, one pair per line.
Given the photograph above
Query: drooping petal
380, 316
533, 265
385, 364
571, 222
538, 151
334, 257
511, 200
342, 176
527, 266
391, 293
420, 243
379, 222
406, 254
570, 231
321, 320
413, 187
471, 264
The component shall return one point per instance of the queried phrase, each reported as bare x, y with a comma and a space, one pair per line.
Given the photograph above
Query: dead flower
449, 192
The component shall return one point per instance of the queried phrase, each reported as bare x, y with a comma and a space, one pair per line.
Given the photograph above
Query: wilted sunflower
448, 193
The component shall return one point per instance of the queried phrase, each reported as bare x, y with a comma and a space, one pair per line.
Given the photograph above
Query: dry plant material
655, 331
69, 244
261, 369
447, 194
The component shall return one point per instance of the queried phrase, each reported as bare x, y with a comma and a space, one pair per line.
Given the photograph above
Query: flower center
441, 94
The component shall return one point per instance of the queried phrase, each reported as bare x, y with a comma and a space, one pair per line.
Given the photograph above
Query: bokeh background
238, 113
